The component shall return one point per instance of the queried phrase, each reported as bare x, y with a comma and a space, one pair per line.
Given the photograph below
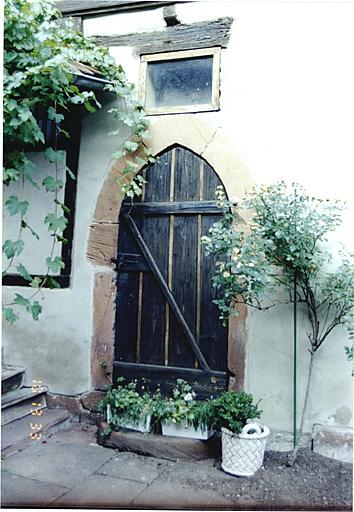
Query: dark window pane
179, 82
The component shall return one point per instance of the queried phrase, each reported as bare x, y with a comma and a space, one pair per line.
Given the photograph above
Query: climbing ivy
41, 53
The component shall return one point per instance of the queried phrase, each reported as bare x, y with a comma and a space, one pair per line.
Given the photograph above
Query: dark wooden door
167, 326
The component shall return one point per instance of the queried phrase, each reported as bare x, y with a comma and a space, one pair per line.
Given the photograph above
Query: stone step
20, 395
19, 434
12, 378
20, 403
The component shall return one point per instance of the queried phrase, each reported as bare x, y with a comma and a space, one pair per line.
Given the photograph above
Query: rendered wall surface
285, 89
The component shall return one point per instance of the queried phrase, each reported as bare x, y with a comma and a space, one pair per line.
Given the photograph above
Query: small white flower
251, 264
188, 397
226, 274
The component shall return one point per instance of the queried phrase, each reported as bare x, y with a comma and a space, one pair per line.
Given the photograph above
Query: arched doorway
218, 150
167, 325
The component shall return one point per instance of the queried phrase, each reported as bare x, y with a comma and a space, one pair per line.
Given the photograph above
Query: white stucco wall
286, 105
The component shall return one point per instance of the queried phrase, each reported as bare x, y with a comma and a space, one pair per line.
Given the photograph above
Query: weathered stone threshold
162, 447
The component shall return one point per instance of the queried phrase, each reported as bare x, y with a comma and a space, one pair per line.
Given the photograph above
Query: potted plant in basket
125, 407
181, 415
243, 441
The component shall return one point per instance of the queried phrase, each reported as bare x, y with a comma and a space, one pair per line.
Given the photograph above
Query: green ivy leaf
36, 282
20, 300
28, 170
10, 174
62, 206
15, 206
118, 154
54, 156
35, 309
131, 146
51, 185
11, 248
70, 172
55, 265
55, 223
9, 315
53, 115
52, 283
27, 226
21, 269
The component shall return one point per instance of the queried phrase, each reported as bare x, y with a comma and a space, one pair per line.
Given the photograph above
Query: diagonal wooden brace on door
166, 291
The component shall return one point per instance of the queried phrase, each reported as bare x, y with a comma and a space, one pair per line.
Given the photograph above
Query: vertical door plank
213, 335
184, 286
127, 300
155, 232
187, 176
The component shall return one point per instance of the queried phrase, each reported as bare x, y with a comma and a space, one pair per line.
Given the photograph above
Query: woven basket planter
242, 454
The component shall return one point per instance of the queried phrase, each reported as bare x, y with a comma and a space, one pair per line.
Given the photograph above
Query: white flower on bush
188, 397
226, 274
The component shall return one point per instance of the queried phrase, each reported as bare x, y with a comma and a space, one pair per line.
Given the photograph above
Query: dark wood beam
205, 383
94, 7
176, 208
205, 34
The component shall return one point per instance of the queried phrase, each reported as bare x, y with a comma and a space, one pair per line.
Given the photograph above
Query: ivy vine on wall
41, 54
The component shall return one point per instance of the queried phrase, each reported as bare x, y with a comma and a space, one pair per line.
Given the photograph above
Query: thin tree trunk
293, 455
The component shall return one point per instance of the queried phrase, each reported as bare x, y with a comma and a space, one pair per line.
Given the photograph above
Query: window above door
180, 82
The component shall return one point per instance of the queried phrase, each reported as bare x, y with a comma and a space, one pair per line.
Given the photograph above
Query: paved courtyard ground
70, 470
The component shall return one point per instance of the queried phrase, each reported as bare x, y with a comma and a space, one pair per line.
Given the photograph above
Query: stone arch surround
213, 145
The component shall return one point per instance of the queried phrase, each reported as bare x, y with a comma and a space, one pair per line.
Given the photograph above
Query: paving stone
133, 467
79, 433
101, 491
162, 494
17, 491
59, 462
16, 435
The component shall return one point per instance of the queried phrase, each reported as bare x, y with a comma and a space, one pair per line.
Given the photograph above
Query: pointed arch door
167, 326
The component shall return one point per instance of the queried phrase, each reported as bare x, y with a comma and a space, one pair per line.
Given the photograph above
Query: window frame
71, 124
214, 52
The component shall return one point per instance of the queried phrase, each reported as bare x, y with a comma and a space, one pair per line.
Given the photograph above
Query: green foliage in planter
179, 408
126, 404
232, 409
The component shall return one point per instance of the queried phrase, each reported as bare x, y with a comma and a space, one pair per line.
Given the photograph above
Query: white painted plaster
287, 106
125, 23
